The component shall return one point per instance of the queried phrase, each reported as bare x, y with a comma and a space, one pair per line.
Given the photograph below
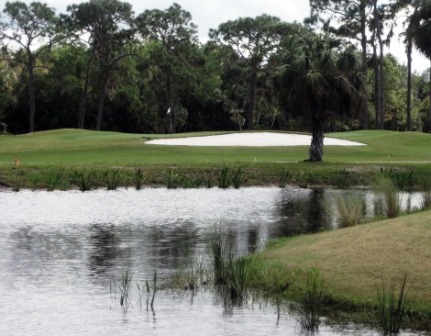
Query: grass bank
71, 149
357, 261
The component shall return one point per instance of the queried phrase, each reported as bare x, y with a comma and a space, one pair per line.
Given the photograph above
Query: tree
107, 23
173, 36
25, 26
421, 33
254, 39
322, 78
348, 19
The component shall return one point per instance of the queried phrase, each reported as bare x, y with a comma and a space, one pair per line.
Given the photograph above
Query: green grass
74, 149
357, 260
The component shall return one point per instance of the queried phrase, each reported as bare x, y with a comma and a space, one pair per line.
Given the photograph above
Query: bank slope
356, 261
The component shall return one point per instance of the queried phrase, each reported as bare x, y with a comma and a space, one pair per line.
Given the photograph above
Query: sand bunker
251, 139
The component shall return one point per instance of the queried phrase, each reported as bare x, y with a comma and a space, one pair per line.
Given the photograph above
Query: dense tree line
100, 66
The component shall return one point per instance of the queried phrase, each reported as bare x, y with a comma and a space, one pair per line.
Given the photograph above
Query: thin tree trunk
381, 81
101, 103
409, 84
252, 99
429, 111
83, 102
31, 91
364, 110
376, 87
316, 148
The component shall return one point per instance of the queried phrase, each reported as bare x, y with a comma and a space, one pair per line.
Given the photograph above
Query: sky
208, 14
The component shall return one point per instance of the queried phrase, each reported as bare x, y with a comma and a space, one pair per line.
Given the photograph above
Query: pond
63, 255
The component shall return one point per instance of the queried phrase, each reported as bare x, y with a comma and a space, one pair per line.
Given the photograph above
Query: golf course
354, 263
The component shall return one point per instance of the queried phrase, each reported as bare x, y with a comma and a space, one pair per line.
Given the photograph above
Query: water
62, 256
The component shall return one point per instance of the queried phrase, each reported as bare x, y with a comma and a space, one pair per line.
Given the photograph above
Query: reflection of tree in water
301, 212
103, 247
173, 247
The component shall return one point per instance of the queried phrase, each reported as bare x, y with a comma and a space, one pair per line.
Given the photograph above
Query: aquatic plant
124, 288
238, 177
392, 308
341, 179
225, 178
311, 301
84, 179
402, 179
390, 198
113, 179
348, 208
18, 179
283, 178
139, 178
54, 180
425, 186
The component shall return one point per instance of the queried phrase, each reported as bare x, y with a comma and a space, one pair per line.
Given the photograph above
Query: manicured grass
356, 261
73, 149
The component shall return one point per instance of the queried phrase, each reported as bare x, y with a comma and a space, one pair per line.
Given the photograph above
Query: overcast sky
210, 13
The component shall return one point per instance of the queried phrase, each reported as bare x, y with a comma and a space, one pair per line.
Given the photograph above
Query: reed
393, 307
225, 178
126, 280
389, 195
311, 301
139, 178
238, 177
348, 208
55, 180
85, 179
283, 178
425, 186
113, 179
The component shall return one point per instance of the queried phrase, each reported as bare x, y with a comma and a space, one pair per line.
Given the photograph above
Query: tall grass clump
389, 195
85, 179
231, 274
403, 180
238, 177
113, 179
139, 178
55, 180
348, 208
225, 178
425, 186
392, 307
18, 179
283, 178
126, 280
311, 301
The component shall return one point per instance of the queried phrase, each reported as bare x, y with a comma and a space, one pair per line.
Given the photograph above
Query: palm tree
421, 34
322, 78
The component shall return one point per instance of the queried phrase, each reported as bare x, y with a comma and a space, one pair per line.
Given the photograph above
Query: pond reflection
61, 261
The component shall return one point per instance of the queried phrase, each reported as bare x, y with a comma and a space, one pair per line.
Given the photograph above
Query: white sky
210, 13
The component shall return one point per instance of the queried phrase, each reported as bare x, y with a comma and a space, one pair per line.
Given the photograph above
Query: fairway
104, 149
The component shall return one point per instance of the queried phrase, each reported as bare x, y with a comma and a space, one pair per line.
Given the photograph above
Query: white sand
251, 139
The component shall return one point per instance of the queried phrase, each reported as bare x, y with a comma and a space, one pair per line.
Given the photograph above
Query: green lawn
85, 148
74, 149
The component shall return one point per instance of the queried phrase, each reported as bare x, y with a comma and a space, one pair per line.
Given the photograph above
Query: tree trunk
83, 102
429, 111
364, 109
31, 91
252, 98
101, 103
316, 147
409, 83
376, 87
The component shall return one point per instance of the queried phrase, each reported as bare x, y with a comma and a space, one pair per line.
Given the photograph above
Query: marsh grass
402, 179
341, 179
231, 274
393, 307
348, 208
113, 179
238, 177
18, 179
191, 278
139, 178
225, 178
425, 186
311, 301
126, 280
85, 179
283, 178
389, 195
55, 180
